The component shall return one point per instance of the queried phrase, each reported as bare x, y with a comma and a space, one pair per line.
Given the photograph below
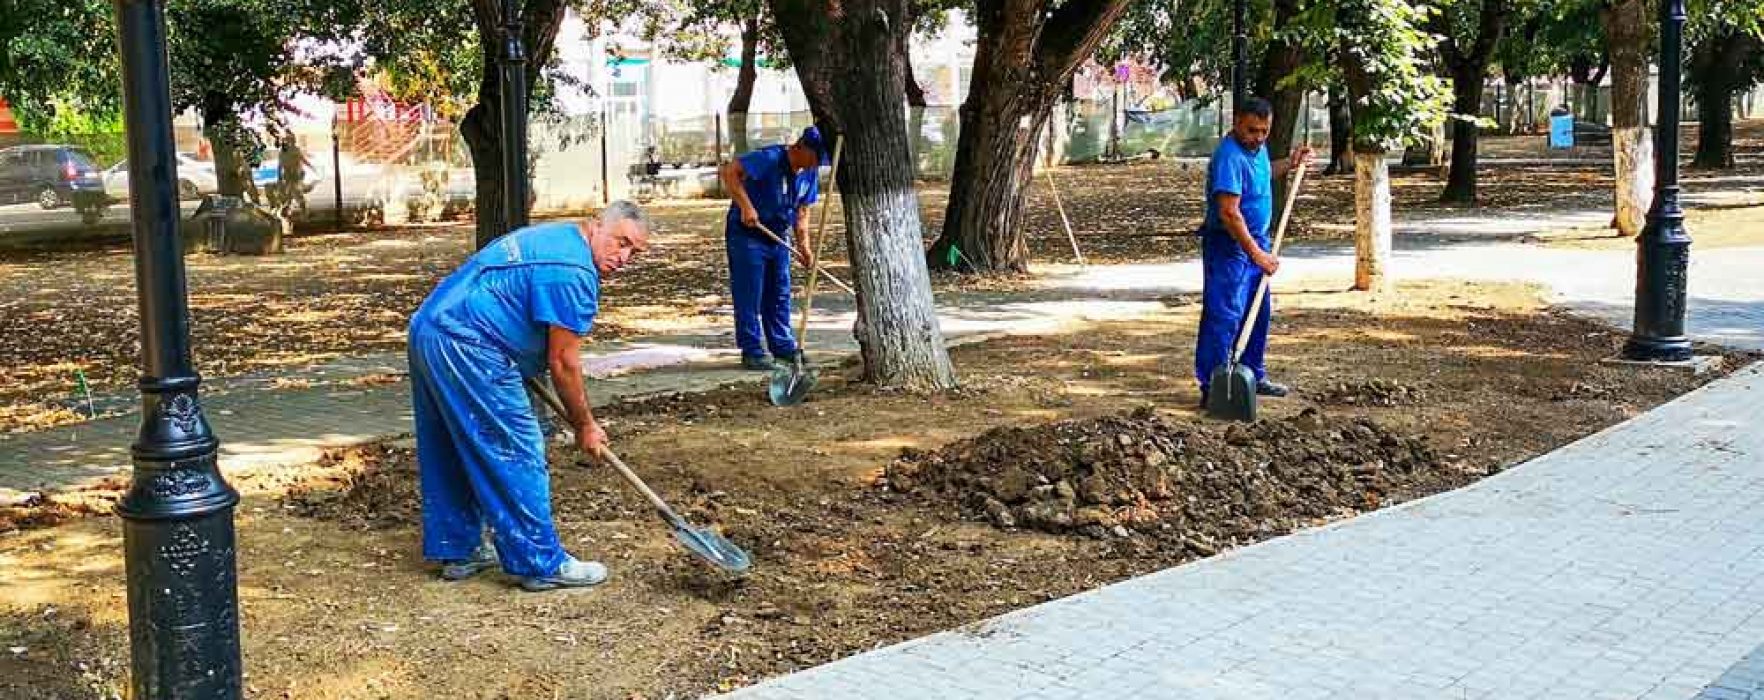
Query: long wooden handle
818, 244
792, 253
1055, 191
1255, 307
551, 400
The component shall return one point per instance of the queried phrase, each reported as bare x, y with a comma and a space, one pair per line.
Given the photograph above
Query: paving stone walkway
1627, 565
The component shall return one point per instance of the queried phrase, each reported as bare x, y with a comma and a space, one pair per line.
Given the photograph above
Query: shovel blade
790, 385
1231, 393
713, 547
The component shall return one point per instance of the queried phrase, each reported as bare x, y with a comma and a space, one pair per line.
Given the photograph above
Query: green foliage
1187, 40
425, 52
50, 73
1397, 99
243, 56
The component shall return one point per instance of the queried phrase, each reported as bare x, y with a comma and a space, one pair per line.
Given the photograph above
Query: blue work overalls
1229, 277
759, 270
480, 455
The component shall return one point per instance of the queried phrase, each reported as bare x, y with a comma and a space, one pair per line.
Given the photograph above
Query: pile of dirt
1204, 487
372, 488
1376, 392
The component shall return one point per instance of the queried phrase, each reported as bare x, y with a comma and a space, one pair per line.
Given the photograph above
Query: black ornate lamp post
514, 117
178, 514
1239, 53
1663, 249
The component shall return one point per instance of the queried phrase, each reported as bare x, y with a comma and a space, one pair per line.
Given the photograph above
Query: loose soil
336, 603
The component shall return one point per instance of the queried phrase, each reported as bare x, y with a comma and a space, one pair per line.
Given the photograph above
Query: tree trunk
1341, 133
1280, 61
1714, 128
1373, 228
1717, 71
1427, 151
992, 172
853, 78
1626, 29
481, 128
1023, 61
742, 98
1372, 223
225, 135
1510, 108
1059, 134
1467, 104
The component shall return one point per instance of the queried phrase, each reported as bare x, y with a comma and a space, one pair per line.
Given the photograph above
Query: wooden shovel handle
1255, 308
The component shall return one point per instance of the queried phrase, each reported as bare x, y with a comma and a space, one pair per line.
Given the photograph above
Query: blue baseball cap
811, 137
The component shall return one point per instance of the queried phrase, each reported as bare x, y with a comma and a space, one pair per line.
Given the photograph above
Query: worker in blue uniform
773, 186
1235, 251
514, 310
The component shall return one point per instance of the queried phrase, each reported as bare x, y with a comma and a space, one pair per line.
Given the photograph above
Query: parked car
52, 176
195, 178
270, 172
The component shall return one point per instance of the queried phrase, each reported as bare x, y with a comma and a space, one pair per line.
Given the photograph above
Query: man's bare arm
734, 182
1231, 215
564, 357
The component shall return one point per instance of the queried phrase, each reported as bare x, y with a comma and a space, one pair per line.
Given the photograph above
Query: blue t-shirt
775, 192
1249, 175
507, 295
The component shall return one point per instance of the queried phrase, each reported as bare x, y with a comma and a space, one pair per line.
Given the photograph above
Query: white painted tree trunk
1372, 222
1634, 150
1632, 143
897, 329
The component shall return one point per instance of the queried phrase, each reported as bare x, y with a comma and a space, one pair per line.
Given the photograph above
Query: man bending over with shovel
515, 309
769, 193
1234, 244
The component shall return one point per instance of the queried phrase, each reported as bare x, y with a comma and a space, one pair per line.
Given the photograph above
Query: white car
195, 178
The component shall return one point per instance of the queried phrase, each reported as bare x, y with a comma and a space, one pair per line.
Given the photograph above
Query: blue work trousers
480, 456
759, 281
1229, 283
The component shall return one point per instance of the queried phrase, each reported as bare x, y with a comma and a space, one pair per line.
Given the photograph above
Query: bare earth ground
68, 307
1465, 378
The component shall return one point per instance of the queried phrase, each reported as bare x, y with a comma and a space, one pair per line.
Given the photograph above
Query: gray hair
623, 210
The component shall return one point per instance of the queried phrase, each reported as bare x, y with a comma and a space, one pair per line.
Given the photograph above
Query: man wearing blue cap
773, 186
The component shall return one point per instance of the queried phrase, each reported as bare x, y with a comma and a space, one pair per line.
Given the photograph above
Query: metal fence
412, 168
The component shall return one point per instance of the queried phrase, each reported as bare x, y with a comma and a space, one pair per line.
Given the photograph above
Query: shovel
1231, 393
791, 384
704, 542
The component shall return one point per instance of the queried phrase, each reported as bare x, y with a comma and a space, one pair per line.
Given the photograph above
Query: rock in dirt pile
1202, 487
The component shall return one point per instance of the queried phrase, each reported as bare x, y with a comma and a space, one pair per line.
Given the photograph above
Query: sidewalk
1626, 565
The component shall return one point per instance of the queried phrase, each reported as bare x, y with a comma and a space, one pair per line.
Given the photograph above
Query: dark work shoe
483, 559
1267, 388
1203, 401
759, 363
572, 574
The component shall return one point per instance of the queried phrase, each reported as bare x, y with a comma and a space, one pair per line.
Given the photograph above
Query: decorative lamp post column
1663, 248
514, 118
178, 514
1240, 53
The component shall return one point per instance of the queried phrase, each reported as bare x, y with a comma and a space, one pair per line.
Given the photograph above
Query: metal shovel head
712, 547
790, 384
1231, 393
